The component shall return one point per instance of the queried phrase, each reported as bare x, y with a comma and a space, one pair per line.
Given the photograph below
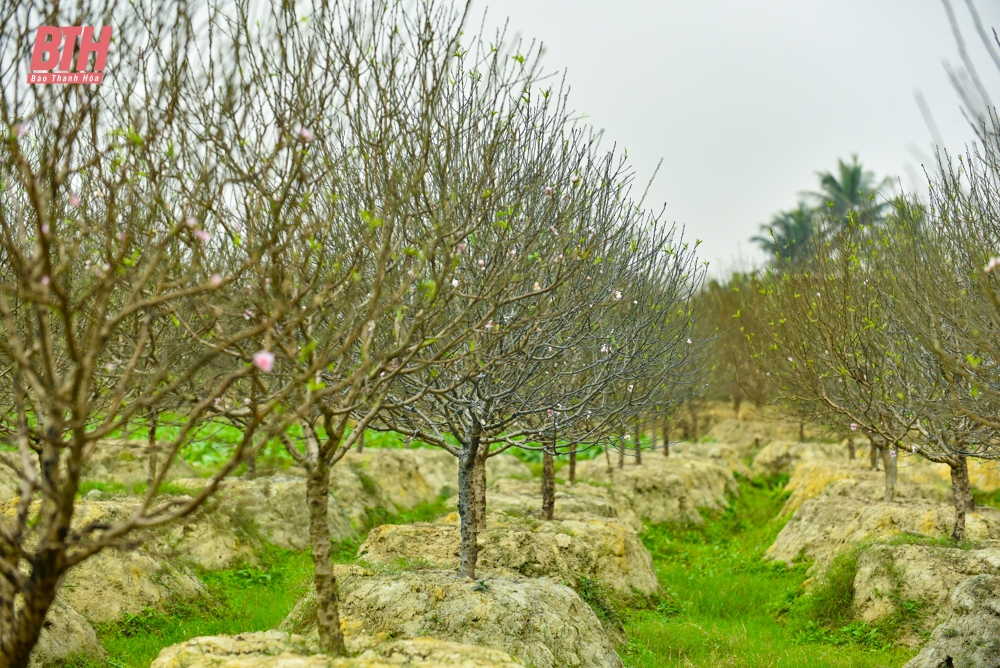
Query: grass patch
239, 600
243, 599
732, 608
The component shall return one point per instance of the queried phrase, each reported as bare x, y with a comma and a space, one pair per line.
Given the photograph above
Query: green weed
730, 607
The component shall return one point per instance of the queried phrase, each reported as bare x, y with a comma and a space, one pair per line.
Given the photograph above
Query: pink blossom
74, 200
45, 229
264, 360
454, 282
202, 235
215, 280
246, 401
489, 325
854, 426
191, 221
306, 134
20, 129
618, 295
629, 388
536, 286
45, 280
460, 248
790, 359
689, 341
573, 179
992, 264
553, 230
217, 401
248, 314
482, 263
549, 191
122, 237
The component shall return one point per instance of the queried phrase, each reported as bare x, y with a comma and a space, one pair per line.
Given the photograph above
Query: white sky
745, 101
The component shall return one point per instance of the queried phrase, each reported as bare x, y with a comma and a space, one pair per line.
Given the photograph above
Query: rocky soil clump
970, 638
889, 574
410, 477
748, 436
779, 457
538, 621
65, 636
814, 478
723, 454
522, 498
668, 489
824, 527
275, 649
113, 582
228, 529
599, 549
127, 462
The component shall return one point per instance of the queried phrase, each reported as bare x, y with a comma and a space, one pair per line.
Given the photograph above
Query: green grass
734, 609
240, 600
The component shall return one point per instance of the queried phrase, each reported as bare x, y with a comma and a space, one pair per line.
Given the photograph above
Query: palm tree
852, 190
789, 233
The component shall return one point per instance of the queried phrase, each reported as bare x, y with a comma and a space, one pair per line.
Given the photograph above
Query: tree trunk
361, 442
802, 431
873, 456
852, 452
151, 448
961, 491
16, 645
666, 437
607, 458
889, 459
621, 453
548, 482
252, 466
467, 509
637, 435
331, 640
479, 486
694, 423
737, 400
572, 465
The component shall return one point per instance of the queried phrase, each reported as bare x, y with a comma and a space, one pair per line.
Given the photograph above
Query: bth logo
54, 50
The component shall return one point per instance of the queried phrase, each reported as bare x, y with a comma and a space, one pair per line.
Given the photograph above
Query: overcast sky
744, 101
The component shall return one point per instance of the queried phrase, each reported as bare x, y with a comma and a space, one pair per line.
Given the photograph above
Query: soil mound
750, 435
668, 489
537, 621
118, 460
826, 526
780, 457
723, 454
274, 649
113, 582
228, 528
599, 549
833, 477
66, 635
523, 498
410, 477
928, 573
971, 636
